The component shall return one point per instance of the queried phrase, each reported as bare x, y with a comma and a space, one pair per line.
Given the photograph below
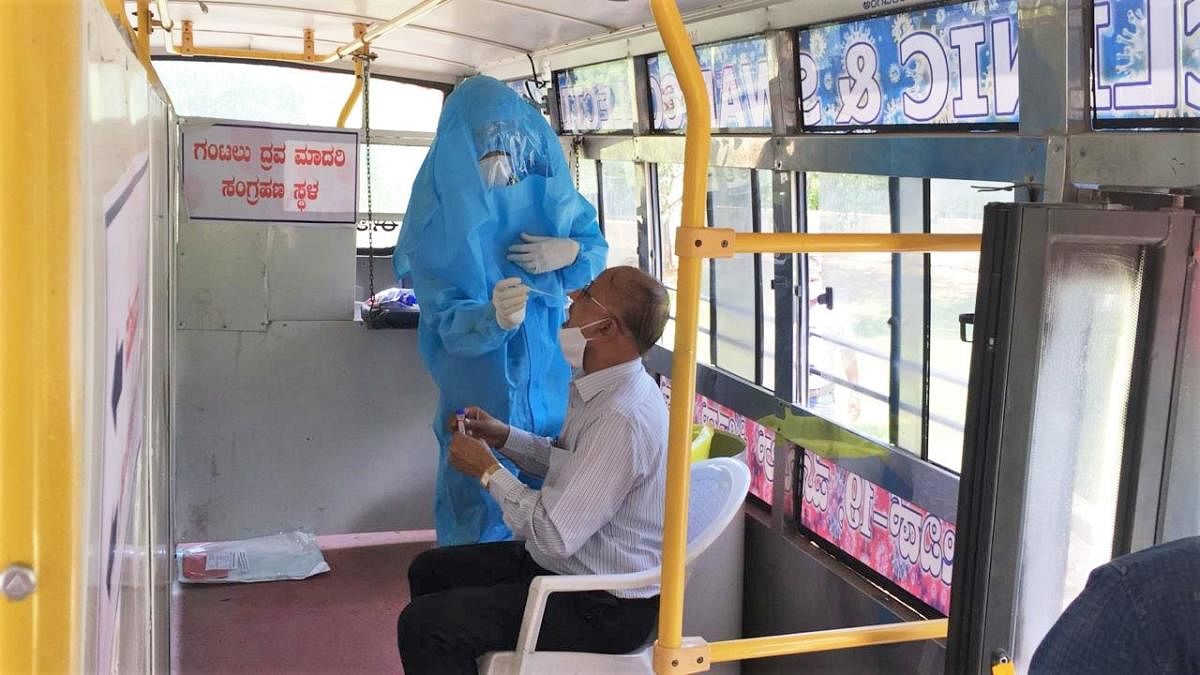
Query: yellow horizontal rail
362, 38
725, 242
826, 640
788, 242
188, 48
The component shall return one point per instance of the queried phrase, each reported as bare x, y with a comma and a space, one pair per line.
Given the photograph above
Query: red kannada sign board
262, 173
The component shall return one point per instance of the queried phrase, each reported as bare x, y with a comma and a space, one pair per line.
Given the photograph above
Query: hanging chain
576, 150
365, 58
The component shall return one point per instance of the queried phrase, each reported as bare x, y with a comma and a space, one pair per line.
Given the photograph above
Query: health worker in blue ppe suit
494, 237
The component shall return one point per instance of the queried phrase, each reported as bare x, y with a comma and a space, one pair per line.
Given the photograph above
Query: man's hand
479, 424
470, 456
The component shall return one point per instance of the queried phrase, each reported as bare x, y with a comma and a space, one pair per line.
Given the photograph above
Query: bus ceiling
446, 40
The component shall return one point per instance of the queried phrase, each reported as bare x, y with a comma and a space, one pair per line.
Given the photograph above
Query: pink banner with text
894, 537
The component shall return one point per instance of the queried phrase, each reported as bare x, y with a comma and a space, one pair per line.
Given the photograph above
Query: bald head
639, 301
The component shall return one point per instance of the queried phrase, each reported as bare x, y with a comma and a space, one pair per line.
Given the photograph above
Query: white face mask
497, 170
573, 343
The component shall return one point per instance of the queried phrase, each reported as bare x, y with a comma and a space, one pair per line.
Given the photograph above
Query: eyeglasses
586, 292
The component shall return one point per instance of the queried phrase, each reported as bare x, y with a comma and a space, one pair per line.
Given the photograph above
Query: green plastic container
725, 444
702, 436
708, 442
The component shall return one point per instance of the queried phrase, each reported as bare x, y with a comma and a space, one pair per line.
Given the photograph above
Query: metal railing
694, 243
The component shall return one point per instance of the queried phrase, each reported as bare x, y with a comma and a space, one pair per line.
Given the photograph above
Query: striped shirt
600, 509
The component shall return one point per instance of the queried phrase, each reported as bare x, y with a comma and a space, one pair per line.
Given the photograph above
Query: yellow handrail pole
356, 91
40, 370
683, 383
792, 242
827, 640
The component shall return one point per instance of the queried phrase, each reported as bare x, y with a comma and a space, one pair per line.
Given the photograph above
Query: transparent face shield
507, 154
496, 169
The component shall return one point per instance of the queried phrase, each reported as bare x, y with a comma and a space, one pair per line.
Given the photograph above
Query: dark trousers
469, 600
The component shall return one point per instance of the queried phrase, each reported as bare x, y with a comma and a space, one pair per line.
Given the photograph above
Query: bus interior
940, 287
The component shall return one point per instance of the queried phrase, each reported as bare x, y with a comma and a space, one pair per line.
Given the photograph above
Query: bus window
620, 187
955, 207
287, 95
766, 209
670, 200
1085, 362
849, 339
731, 206
393, 170
588, 183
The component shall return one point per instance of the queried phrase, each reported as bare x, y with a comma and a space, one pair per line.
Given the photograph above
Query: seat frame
526, 655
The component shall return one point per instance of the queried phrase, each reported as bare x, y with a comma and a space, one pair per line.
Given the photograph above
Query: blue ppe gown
453, 242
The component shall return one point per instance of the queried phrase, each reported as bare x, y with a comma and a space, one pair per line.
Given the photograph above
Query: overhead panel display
946, 65
596, 98
737, 76
1147, 63
530, 90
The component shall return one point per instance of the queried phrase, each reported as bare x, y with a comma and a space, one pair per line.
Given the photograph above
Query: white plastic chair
718, 489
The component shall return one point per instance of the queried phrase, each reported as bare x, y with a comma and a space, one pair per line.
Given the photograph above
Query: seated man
599, 510
1139, 614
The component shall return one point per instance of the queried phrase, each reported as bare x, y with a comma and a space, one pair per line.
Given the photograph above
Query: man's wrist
486, 477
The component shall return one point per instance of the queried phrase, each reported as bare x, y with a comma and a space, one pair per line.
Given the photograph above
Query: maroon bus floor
343, 621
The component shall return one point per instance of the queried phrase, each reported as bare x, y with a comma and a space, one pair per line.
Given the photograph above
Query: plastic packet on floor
288, 555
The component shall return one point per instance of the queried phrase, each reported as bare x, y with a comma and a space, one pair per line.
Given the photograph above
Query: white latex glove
543, 254
509, 298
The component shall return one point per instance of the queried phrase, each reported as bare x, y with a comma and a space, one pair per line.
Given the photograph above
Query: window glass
731, 206
586, 182
286, 95
620, 213
737, 76
393, 170
596, 98
1084, 371
849, 305
955, 207
766, 208
1146, 55
670, 209
947, 64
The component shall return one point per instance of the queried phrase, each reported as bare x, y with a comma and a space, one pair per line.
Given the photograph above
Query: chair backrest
718, 489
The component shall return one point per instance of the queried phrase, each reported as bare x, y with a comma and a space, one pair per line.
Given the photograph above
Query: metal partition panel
1181, 509
1076, 316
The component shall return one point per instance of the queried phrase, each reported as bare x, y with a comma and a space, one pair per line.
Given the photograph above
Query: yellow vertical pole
355, 91
687, 311
40, 381
142, 39
360, 29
